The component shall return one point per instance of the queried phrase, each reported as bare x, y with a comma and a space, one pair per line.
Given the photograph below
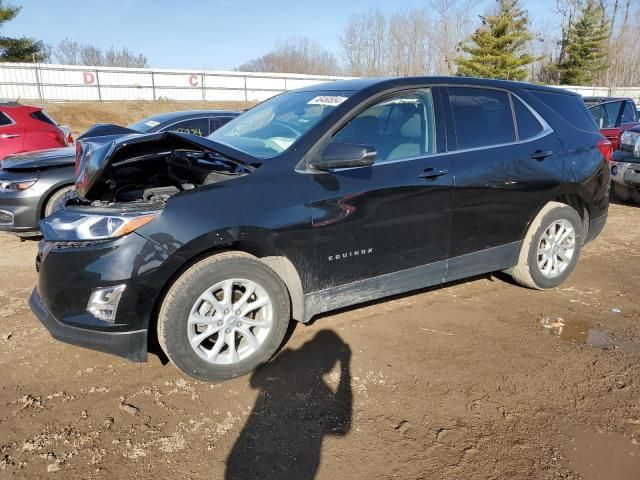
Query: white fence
631, 92
79, 83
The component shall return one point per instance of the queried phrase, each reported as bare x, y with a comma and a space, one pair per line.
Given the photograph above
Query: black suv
317, 199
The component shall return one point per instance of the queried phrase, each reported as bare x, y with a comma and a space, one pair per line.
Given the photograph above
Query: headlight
16, 185
70, 225
630, 139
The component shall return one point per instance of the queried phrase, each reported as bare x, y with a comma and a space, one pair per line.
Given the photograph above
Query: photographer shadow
295, 409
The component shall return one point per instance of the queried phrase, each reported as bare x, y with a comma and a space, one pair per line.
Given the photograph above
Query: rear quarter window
570, 107
43, 117
5, 120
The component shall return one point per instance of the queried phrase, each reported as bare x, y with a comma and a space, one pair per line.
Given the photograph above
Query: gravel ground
474, 380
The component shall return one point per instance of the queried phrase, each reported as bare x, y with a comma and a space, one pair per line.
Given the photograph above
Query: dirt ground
458, 382
79, 116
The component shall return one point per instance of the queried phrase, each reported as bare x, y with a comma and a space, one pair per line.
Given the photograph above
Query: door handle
541, 155
433, 173
9, 135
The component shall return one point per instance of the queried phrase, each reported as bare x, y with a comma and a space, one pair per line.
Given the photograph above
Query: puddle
603, 456
580, 331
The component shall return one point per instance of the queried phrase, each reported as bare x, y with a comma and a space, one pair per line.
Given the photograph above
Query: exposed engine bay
154, 178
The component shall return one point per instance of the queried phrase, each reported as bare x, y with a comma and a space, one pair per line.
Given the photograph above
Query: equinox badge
352, 253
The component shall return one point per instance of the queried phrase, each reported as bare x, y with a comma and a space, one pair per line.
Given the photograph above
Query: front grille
6, 218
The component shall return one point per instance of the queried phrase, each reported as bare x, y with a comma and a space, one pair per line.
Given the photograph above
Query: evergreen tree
586, 46
22, 49
498, 48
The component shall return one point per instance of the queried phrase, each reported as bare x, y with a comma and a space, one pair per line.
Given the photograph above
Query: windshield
270, 128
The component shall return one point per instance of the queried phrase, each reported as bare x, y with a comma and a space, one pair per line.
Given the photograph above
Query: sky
204, 34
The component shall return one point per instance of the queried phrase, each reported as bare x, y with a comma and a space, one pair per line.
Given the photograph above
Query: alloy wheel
556, 248
230, 321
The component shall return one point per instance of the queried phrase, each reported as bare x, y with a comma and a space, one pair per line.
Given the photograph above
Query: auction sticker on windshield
329, 100
152, 123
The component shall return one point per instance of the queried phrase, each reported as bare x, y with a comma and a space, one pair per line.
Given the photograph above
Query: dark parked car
613, 115
625, 167
314, 200
32, 184
24, 128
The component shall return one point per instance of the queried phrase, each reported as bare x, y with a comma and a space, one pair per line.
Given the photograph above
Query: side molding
416, 278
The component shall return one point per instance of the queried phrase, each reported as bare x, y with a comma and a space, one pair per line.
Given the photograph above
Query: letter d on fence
89, 78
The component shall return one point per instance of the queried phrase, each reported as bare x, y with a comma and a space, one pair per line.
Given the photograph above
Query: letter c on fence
193, 80
89, 78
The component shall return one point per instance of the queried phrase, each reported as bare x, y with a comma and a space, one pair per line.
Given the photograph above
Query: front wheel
223, 317
54, 203
551, 248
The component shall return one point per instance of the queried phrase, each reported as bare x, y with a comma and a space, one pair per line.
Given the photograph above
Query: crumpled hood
98, 154
40, 159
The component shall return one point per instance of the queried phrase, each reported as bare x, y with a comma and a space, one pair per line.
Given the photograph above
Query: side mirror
345, 155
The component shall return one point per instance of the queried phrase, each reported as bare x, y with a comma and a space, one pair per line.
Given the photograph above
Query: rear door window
528, 125
196, 126
5, 120
482, 117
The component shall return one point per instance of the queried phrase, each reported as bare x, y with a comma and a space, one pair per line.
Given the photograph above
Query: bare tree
410, 44
67, 52
364, 44
624, 55
452, 23
296, 55
70, 52
123, 58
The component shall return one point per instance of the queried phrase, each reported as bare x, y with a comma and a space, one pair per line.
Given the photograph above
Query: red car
24, 128
614, 116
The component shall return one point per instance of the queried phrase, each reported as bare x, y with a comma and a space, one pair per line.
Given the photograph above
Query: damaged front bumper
71, 272
131, 345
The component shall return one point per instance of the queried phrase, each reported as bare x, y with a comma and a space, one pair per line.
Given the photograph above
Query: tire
52, 203
623, 193
186, 304
635, 195
528, 271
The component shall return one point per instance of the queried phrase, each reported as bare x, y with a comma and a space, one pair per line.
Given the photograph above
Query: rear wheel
551, 247
623, 193
223, 317
53, 204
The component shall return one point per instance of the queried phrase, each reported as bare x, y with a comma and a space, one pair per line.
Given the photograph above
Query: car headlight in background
631, 140
71, 225
16, 185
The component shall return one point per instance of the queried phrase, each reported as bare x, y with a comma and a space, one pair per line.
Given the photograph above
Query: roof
382, 83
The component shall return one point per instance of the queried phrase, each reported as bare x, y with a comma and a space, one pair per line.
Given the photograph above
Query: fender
261, 243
